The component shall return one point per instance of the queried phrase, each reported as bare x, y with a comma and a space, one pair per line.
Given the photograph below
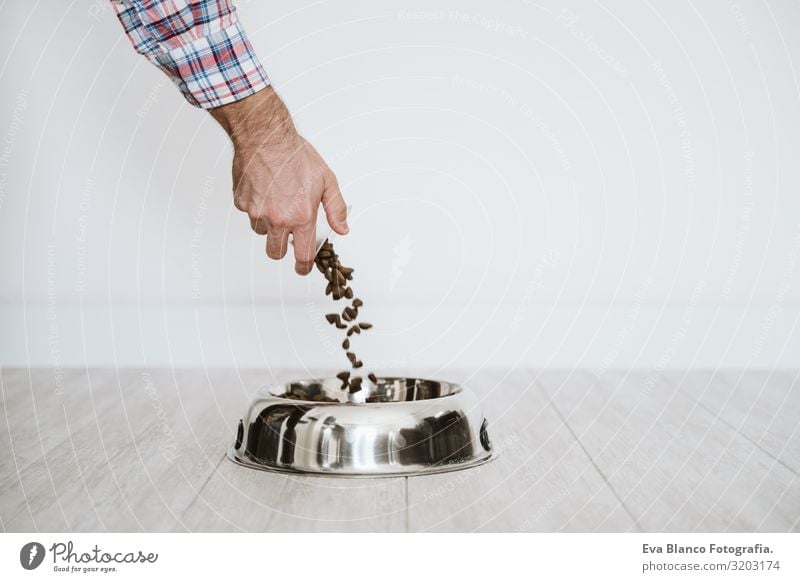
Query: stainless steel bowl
401, 426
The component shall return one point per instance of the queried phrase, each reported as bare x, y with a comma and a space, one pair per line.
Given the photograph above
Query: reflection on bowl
399, 426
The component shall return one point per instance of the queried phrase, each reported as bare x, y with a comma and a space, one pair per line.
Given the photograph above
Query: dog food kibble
355, 384
298, 393
337, 276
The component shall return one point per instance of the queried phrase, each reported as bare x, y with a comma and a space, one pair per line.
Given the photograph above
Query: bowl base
434, 470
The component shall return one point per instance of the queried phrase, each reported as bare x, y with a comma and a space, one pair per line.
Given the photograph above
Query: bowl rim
267, 391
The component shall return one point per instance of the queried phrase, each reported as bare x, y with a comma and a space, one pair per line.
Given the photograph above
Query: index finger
305, 242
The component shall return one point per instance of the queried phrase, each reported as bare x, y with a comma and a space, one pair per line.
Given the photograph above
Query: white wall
610, 184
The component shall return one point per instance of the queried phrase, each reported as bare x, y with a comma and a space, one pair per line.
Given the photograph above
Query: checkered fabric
200, 44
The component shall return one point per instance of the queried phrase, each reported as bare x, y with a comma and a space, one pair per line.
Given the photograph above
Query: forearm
259, 120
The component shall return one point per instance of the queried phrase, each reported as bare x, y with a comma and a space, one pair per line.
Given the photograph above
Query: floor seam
592, 461
408, 528
717, 416
203, 486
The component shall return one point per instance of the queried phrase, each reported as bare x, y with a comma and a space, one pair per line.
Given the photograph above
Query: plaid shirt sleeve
200, 44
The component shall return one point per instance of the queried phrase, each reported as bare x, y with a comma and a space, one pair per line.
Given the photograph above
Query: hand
279, 179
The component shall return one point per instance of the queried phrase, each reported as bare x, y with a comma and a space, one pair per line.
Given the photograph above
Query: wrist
259, 119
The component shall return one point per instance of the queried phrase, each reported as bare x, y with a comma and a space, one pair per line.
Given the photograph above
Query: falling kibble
337, 276
355, 384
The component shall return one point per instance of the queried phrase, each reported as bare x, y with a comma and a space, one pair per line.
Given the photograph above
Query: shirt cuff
212, 70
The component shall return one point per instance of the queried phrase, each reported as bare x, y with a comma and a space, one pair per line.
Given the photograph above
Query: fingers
334, 204
277, 243
259, 224
305, 242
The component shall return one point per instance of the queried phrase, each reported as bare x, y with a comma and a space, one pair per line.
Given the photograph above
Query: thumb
334, 205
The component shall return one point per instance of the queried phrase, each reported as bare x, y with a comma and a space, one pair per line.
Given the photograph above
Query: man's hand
279, 179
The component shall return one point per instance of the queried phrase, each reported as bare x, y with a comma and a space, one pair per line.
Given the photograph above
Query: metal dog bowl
401, 426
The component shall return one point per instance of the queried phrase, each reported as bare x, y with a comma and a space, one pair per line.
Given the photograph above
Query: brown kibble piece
372, 378
337, 275
355, 384
365, 325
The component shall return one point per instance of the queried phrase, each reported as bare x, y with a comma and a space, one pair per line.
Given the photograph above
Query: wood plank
762, 405
143, 450
538, 482
38, 401
671, 461
168, 462
133, 469
40, 446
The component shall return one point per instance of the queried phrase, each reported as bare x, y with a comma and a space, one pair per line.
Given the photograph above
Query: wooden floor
133, 450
